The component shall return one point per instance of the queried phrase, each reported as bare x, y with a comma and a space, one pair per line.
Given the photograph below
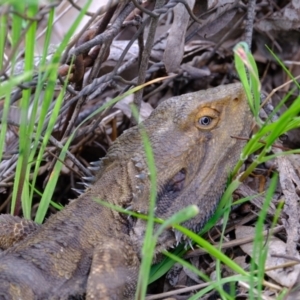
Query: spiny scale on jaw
78, 191
85, 184
96, 163
181, 238
130, 218
142, 176
89, 178
178, 237
95, 167
139, 166
135, 159
140, 188
188, 244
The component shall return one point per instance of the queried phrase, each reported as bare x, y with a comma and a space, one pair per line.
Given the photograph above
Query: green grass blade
212, 285
3, 36
260, 249
149, 242
40, 110
284, 67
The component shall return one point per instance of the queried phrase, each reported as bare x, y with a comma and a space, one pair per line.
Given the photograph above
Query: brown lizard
92, 249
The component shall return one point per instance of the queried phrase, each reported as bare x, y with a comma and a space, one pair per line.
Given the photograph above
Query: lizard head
193, 141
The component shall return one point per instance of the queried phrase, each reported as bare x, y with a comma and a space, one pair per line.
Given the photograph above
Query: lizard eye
205, 121
207, 118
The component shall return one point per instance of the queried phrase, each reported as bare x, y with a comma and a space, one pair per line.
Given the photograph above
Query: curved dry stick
250, 22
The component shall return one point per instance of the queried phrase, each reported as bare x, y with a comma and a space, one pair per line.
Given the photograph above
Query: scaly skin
88, 248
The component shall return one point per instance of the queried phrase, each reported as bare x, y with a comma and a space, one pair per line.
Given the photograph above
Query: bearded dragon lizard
90, 249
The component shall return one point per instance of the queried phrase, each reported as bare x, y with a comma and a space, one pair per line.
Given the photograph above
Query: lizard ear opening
176, 183
207, 118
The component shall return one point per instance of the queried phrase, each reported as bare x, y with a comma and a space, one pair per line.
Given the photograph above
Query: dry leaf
175, 43
123, 105
286, 19
284, 276
289, 180
215, 3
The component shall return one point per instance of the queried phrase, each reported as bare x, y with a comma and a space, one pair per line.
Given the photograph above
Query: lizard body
92, 249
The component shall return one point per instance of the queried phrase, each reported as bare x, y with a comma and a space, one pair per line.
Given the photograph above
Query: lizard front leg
114, 270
